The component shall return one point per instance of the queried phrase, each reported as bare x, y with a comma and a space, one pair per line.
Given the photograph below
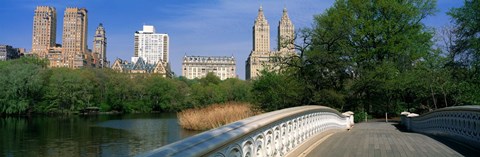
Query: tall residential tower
286, 35
100, 47
74, 37
151, 46
261, 33
44, 30
261, 57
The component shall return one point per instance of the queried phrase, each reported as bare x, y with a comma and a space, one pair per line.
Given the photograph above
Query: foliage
22, 84
360, 55
464, 63
364, 58
467, 29
377, 57
273, 91
31, 87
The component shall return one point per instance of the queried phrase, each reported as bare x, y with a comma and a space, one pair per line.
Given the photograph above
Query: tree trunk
444, 97
433, 97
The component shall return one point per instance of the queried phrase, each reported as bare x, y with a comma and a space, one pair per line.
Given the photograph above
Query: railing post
409, 121
403, 119
349, 119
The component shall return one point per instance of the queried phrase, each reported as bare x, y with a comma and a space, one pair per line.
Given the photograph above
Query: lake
93, 135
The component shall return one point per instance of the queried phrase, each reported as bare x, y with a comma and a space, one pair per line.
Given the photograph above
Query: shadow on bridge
388, 139
458, 146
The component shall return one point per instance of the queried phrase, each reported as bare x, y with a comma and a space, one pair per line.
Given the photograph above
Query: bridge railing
271, 134
461, 123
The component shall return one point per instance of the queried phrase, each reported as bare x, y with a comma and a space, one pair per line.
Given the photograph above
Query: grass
215, 115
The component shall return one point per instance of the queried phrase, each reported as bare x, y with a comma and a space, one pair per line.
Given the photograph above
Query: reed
215, 115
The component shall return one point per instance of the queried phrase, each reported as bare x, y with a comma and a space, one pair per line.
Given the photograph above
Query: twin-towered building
74, 52
262, 57
151, 51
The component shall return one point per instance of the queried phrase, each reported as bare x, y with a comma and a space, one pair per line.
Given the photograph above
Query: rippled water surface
100, 135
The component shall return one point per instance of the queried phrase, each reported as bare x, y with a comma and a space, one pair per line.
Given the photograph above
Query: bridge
322, 131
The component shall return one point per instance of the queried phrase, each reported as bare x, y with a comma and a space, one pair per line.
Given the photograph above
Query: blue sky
195, 27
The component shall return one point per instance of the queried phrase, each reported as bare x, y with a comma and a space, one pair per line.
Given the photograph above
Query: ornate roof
141, 66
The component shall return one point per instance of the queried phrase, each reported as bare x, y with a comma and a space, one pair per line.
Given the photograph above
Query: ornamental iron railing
271, 134
461, 123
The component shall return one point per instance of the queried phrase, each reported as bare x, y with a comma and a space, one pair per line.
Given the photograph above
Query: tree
22, 85
68, 90
465, 67
360, 49
236, 90
274, 91
467, 29
165, 94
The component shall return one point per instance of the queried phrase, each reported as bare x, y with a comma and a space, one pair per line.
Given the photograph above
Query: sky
195, 27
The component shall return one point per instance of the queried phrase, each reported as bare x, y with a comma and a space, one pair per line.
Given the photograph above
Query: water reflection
102, 135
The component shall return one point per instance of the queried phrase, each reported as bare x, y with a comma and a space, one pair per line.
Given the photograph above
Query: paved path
381, 139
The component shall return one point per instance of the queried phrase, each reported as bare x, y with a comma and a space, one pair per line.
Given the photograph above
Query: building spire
261, 16
261, 33
285, 15
286, 33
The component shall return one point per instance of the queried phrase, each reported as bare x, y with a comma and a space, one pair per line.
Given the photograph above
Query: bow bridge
322, 131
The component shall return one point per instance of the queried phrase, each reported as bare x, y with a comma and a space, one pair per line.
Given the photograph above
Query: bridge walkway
384, 139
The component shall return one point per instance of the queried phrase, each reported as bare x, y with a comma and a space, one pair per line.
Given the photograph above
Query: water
85, 136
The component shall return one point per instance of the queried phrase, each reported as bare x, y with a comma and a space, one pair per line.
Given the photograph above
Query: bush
360, 116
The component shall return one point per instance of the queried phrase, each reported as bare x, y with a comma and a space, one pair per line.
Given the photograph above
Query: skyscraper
74, 37
100, 47
261, 33
151, 46
285, 33
261, 57
44, 30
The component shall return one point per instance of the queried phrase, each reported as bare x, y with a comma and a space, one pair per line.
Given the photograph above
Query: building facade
150, 54
56, 57
44, 30
73, 53
262, 57
7, 52
74, 37
199, 66
140, 66
100, 47
286, 33
151, 46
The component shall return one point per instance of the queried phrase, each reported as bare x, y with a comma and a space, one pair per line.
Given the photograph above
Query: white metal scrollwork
286, 135
462, 123
270, 134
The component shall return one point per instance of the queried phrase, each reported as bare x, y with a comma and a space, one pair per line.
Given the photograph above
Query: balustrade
461, 123
271, 134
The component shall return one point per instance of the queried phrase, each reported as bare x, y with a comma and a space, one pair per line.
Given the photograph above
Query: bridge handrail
460, 122
269, 134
